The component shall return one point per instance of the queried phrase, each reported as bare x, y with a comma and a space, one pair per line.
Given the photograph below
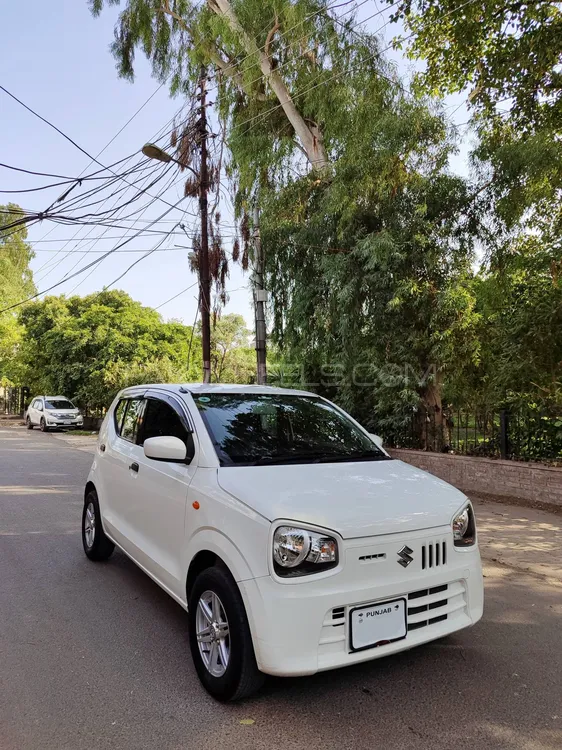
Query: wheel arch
207, 548
89, 486
203, 559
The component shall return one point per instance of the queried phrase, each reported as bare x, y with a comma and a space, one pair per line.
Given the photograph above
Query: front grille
433, 555
425, 608
338, 616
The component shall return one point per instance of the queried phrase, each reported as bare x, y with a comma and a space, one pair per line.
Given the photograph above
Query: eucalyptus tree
368, 237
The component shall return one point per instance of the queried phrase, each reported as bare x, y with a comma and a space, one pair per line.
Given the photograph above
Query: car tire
43, 425
240, 677
96, 544
28, 423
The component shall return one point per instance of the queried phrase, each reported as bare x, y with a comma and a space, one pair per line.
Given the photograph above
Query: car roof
221, 388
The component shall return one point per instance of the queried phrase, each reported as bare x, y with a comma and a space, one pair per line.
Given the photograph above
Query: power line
64, 135
183, 291
157, 136
96, 241
85, 268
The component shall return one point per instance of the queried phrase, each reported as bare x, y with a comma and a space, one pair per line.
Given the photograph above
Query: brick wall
516, 479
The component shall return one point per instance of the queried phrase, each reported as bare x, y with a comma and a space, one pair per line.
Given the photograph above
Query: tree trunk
432, 424
309, 136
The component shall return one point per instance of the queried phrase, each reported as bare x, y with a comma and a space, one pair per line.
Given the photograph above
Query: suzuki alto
295, 542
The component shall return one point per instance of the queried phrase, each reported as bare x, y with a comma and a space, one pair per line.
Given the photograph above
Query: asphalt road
96, 655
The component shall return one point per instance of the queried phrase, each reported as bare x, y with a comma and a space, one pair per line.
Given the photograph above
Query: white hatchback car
295, 542
49, 412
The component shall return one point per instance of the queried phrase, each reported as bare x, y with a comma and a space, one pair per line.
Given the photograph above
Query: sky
61, 67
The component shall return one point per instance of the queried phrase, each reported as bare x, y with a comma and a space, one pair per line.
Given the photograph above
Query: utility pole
204, 280
260, 298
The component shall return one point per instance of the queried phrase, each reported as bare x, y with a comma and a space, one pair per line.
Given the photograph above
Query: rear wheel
220, 639
28, 423
96, 545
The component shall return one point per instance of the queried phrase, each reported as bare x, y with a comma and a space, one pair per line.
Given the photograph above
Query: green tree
88, 348
16, 284
497, 50
507, 56
368, 239
232, 358
521, 324
384, 312
271, 60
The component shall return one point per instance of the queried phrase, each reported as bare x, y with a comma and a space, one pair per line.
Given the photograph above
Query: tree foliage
16, 284
497, 50
520, 325
273, 61
507, 56
369, 239
232, 358
371, 280
88, 348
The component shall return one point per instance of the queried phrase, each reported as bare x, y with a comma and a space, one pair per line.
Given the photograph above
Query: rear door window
119, 414
132, 418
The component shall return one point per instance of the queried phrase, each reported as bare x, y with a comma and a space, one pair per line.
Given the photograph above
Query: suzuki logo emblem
405, 555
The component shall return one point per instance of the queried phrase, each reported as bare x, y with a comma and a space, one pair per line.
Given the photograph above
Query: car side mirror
376, 439
165, 448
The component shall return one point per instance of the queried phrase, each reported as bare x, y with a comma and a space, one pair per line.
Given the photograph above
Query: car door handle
102, 448
134, 467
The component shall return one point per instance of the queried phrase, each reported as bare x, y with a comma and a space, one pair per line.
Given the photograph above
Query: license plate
377, 624
67, 421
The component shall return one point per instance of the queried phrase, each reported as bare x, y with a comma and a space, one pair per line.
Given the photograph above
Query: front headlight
300, 552
464, 527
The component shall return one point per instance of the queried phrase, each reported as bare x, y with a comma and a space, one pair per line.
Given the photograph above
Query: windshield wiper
291, 458
362, 456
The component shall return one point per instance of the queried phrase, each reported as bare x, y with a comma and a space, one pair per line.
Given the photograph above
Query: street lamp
152, 151
155, 152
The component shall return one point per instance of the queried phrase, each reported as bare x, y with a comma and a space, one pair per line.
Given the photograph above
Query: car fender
208, 539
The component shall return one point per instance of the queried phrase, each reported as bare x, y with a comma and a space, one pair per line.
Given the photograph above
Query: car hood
356, 499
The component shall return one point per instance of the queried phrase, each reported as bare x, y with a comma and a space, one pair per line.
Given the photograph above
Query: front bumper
68, 423
302, 627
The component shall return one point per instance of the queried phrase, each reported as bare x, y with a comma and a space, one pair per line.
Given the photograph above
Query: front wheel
96, 545
44, 427
220, 639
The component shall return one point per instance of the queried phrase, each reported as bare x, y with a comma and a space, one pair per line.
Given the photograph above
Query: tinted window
131, 421
119, 412
161, 419
58, 403
250, 429
37, 403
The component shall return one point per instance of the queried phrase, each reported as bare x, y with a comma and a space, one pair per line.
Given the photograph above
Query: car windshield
58, 403
281, 429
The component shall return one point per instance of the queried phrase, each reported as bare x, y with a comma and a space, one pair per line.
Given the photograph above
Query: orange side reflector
196, 505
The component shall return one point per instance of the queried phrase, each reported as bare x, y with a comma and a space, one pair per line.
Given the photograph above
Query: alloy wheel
213, 633
90, 525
